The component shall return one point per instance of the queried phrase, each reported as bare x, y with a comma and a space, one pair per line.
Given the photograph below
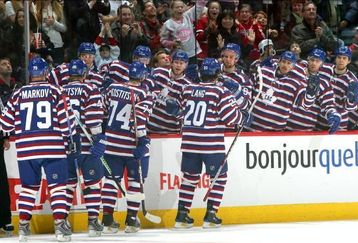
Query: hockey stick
72, 149
152, 218
106, 165
223, 162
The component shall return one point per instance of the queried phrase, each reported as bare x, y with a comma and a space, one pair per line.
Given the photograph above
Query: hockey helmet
343, 51
317, 53
263, 44
77, 68
142, 51
37, 67
137, 70
87, 47
180, 55
233, 47
210, 67
289, 56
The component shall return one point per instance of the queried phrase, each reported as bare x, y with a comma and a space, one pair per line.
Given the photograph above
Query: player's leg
92, 170
5, 211
132, 221
71, 183
191, 166
109, 193
212, 163
30, 177
56, 171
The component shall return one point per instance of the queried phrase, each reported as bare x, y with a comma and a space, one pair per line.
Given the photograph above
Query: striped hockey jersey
340, 85
208, 109
306, 118
60, 76
160, 121
86, 102
37, 114
276, 102
120, 130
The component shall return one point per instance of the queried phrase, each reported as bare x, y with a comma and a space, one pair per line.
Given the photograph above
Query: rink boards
273, 177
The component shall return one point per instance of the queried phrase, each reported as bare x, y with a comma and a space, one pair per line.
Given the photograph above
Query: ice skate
95, 227
110, 226
24, 230
182, 220
132, 224
62, 230
8, 229
211, 221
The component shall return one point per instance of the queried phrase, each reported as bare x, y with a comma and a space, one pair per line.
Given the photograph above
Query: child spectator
105, 53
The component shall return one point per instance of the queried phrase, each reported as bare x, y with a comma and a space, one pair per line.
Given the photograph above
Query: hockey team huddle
73, 119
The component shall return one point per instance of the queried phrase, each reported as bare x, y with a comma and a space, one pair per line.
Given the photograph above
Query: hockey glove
313, 85
142, 148
247, 118
172, 107
99, 145
352, 92
334, 120
234, 87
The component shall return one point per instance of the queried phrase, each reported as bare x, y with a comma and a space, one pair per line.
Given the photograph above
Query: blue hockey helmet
289, 56
233, 47
142, 51
210, 67
37, 67
180, 55
77, 67
87, 47
343, 51
317, 53
137, 70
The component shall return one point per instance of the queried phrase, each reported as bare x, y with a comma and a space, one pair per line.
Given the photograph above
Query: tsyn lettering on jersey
74, 91
33, 94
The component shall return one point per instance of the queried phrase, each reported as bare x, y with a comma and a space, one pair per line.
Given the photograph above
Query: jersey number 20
196, 113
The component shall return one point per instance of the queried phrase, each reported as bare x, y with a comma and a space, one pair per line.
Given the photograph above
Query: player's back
34, 112
120, 126
208, 109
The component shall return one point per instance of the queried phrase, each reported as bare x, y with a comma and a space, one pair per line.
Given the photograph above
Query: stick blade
153, 218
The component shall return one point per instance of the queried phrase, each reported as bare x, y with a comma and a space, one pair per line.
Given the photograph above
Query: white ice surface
307, 232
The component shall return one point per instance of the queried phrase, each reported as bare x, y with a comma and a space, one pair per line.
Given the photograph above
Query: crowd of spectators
117, 27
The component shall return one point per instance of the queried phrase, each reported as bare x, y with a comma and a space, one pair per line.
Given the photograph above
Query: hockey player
267, 53
86, 103
280, 93
121, 151
345, 88
315, 76
86, 52
37, 115
230, 55
207, 109
118, 70
171, 83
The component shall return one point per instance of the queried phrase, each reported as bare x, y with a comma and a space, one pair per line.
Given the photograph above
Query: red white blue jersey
306, 118
276, 101
86, 102
208, 110
273, 63
340, 84
39, 116
120, 127
246, 87
118, 71
60, 76
159, 120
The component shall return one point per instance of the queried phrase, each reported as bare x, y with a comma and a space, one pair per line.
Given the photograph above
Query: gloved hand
334, 120
172, 107
352, 92
313, 85
247, 118
99, 145
142, 147
234, 87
